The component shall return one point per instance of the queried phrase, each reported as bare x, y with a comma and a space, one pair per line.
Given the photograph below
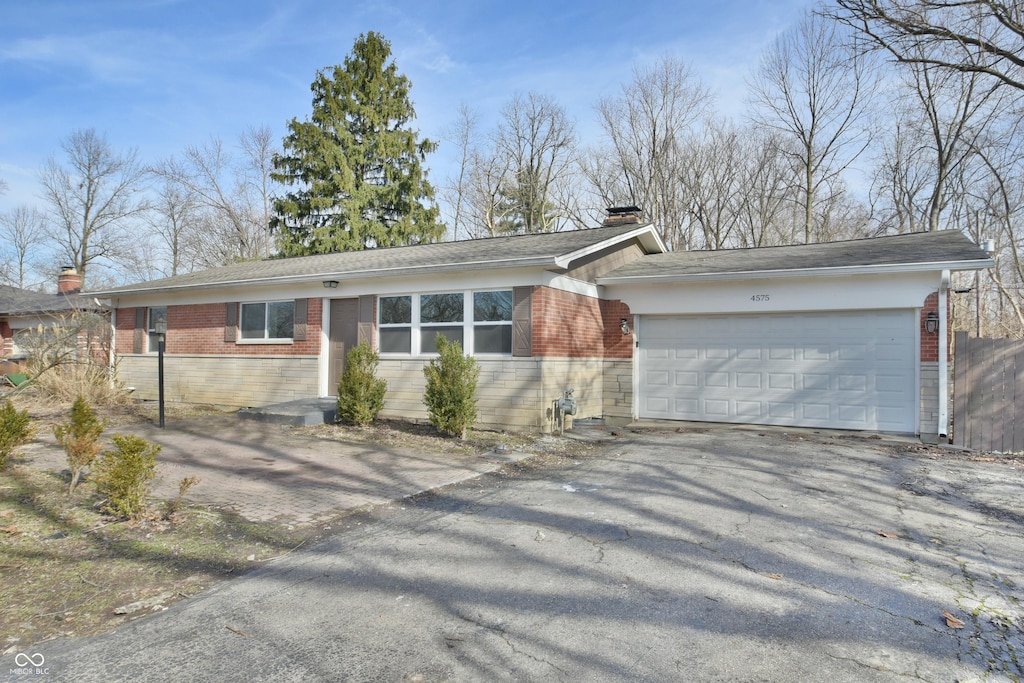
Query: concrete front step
300, 413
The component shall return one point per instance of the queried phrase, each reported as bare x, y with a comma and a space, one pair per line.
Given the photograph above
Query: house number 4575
759, 297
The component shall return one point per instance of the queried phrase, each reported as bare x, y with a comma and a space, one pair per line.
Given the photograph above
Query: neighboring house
825, 335
22, 310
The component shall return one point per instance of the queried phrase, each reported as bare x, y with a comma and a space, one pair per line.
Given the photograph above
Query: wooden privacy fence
988, 394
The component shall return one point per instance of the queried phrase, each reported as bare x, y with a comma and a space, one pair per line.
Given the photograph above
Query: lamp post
161, 337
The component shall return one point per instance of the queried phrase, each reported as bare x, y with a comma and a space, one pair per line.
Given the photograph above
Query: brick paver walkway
269, 472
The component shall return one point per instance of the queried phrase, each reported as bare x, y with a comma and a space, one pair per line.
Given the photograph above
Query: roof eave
974, 264
647, 235
330, 275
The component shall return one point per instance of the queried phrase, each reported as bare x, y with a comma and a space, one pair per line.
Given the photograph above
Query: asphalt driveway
718, 554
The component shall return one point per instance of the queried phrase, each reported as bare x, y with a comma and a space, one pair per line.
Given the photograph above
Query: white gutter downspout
943, 358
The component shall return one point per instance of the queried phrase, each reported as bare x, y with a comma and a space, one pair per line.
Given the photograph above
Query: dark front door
344, 336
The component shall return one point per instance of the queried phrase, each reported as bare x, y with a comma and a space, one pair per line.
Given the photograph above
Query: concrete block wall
618, 390
228, 381
929, 399
513, 393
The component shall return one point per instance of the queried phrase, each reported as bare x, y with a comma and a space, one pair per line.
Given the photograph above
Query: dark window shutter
522, 328
366, 319
231, 323
140, 331
299, 328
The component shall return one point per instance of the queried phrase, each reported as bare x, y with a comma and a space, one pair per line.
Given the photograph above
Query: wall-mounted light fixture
624, 325
931, 323
331, 284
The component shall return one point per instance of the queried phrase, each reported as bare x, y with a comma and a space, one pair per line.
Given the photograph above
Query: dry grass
64, 383
67, 568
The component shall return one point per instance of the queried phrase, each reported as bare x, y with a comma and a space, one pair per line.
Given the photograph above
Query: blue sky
162, 74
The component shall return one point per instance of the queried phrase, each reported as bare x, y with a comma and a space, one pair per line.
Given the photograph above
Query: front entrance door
344, 335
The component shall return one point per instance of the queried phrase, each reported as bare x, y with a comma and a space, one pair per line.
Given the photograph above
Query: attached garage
843, 335
844, 370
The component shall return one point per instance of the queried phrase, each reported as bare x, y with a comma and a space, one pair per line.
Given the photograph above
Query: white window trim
418, 328
264, 340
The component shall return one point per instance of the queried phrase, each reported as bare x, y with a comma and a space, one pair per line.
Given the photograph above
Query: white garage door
851, 370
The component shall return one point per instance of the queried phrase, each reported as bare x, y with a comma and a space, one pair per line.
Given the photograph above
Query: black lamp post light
160, 327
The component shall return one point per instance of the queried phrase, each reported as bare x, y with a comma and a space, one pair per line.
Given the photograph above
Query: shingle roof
946, 249
497, 252
15, 301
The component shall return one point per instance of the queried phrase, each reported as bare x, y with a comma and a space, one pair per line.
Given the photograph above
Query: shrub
183, 487
15, 430
360, 391
123, 475
80, 439
71, 358
451, 388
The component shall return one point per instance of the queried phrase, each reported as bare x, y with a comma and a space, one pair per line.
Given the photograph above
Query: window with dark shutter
231, 323
366, 319
140, 331
522, 327
299, 323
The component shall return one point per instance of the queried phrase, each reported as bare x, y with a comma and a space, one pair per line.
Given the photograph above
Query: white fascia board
437, 270
498, 278
30, 320
937, 266
777, 295
647, 235
568, 284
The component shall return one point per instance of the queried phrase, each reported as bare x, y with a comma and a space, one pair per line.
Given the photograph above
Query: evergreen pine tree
356, 165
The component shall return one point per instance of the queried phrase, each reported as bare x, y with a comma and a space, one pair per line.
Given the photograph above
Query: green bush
451, 388
15, 430
80, 439
360, 391
123, 475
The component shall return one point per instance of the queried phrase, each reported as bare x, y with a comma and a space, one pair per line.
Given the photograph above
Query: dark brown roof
944, 249
547, 249
16, 301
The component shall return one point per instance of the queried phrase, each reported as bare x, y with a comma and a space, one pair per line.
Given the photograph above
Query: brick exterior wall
929, 369
574, 337
929, 342
6, 334
568, 325
198, 329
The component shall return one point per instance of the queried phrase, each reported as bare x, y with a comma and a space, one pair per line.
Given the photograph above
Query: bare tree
237, 193
901, 179
641, 158
486, 211
711, 175
763, 208
943, 114
537, 140
93, 199
21, 230
258, 189
457, 188
177, 226
969, 36
813, 91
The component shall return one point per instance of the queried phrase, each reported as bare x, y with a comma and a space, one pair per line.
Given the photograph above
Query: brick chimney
69, 281
623, 215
